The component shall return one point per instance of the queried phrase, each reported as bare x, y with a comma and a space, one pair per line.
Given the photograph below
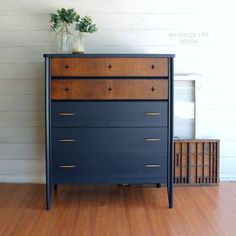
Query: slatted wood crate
196, 162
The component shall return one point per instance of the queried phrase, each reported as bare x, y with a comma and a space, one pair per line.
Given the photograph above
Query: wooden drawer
109, 67
109, 140
109, 168
109, 89
109, 113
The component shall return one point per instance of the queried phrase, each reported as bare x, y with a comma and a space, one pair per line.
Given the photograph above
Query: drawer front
109, 114
109, 140
106, 168
109, 89
109, 67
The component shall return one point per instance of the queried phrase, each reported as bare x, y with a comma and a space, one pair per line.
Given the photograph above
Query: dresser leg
55, 187
48, 192
48, 205
48, 197
170, 195
159, 185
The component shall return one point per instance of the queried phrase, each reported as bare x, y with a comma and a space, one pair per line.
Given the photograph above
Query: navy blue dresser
109, 120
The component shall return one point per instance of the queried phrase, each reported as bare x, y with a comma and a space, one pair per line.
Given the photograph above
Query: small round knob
153, 67
66, 66
109, 66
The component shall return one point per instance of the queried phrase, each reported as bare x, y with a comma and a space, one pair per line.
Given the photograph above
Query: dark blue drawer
110, 168
109, 114
109, 140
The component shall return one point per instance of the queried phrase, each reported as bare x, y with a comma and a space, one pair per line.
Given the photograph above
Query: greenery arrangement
61, 23
63, 18
85, 25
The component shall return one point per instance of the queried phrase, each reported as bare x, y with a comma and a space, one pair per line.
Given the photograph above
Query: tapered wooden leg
170, 197
48, 196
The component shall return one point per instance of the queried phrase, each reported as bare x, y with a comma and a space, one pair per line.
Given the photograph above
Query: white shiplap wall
125, 26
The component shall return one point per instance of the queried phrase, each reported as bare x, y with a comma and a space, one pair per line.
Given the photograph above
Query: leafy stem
62, 19
85, 25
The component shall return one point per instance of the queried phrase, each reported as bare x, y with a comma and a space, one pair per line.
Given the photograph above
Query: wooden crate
196, 162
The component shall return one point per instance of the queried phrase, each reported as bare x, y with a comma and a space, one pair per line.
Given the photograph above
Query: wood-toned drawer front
109, 113
105, 168
109, 140
109, 67
109, 89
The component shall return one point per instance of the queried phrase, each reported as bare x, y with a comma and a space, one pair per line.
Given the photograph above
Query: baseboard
22, 179
228, 177
39, 179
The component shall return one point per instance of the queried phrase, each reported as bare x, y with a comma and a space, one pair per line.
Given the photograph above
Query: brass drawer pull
152, 113
67, 140
152, 166
67, 166
66, 114
152, 139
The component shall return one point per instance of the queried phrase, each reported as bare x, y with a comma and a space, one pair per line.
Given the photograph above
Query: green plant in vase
60, 24
83, 26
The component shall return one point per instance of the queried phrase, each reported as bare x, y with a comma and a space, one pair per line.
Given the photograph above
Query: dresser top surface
101, 55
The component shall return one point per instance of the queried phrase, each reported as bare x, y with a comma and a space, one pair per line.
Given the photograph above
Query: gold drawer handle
66, 114
67, 140
152, 166
152, 139
152, 113
67, 166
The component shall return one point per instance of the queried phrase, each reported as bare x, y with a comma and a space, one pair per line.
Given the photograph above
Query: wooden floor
115, 210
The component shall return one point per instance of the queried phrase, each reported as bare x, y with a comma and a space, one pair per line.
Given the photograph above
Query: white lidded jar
79, 43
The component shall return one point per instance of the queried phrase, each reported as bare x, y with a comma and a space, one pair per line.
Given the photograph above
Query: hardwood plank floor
112, 210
